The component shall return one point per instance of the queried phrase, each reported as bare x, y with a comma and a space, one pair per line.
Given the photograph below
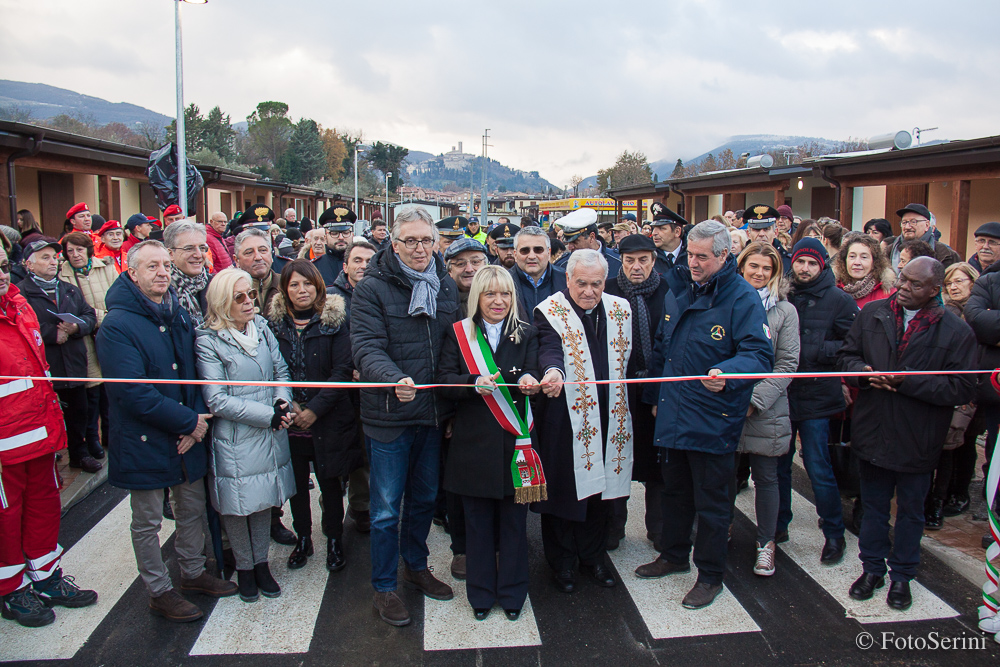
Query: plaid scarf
187, 292
922, 321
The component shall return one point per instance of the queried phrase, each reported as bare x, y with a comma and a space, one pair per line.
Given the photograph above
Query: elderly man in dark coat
900, 422
639, 283
158, 430
584, 430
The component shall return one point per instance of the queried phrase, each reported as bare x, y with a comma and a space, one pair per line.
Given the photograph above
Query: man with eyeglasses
915, 223
535, 278
987, 246
399, 314
464, 258
187, 243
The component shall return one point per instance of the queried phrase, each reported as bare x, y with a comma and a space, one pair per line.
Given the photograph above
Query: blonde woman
479, 466
250, 464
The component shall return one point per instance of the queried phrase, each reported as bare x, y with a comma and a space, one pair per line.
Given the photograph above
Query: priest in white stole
584, 430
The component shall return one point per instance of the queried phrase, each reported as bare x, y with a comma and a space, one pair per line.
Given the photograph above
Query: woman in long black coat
479, 461
314, 338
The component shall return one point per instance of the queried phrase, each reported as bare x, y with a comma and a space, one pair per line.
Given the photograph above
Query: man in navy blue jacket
713, 322
158, 431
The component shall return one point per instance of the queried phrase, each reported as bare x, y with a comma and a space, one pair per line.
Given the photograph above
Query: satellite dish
765, 161
898, 140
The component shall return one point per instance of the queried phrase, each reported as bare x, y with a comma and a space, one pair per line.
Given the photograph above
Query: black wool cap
636, 243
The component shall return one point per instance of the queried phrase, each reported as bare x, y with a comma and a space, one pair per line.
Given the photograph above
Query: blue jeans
814, 435
403, 472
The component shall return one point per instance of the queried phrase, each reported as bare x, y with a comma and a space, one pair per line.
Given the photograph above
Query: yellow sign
598, 204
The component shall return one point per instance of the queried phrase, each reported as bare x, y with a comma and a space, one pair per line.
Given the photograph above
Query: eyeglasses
912, 223
538, 250
462, 263
412, 243
956, 281
189, 249
993, 243
241, 297
5, 267
347, 233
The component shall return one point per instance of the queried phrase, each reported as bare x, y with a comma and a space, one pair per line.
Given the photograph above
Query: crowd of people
532, 333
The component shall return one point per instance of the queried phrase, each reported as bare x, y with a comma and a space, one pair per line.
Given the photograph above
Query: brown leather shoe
173, 607
701, 595
391, 609
458, 569
660, 568
208, 585
428, 584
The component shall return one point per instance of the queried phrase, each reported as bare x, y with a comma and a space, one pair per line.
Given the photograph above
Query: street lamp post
388, 175
357, 204
182, 199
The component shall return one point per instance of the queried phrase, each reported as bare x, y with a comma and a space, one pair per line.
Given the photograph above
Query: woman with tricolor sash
491, 463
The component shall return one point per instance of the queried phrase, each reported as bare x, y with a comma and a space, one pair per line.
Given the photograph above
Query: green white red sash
526, 467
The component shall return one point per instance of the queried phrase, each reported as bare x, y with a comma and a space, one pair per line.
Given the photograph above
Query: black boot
248, 585
269, 588
300, 554
934, 514
335, 560
279, 533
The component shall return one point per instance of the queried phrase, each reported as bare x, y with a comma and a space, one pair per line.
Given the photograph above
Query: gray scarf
50, 287
423, 299
187, 292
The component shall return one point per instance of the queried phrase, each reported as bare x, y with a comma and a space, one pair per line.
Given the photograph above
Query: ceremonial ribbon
989, 620
526, 467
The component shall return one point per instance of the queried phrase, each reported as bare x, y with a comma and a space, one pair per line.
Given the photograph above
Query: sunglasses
538, 250
241, 297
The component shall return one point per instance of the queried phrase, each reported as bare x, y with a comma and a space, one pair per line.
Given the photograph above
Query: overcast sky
563, 86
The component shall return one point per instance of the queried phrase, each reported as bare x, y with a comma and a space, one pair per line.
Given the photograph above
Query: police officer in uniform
668, 235
450, 230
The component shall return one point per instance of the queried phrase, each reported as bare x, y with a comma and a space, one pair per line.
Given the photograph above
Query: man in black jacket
535, 278
338, 222
64, 318
641, 285
762, 225
825, 316
900, 422
399, 313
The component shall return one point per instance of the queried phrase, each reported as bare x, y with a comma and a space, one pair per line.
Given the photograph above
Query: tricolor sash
526, 467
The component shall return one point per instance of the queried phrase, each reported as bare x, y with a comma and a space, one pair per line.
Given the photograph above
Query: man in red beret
110, 238
172, 214
78, 219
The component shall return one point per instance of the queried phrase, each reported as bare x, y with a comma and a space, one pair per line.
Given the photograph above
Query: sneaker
764, 566
25, 607
391, 609
63, 591
428, 584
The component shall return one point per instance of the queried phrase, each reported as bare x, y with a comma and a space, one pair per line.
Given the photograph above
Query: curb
84, 484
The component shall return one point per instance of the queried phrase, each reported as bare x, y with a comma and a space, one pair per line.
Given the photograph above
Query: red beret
173, 209
108, 226
77, 208
154, 221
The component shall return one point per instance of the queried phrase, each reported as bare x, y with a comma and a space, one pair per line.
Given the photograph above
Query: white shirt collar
493, 333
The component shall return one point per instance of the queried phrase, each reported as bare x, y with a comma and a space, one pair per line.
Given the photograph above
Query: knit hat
810, 247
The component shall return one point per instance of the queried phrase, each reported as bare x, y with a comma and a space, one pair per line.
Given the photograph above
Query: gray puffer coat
768, 431
250, 466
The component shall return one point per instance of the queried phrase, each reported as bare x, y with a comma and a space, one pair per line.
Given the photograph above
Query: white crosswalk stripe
659, 600
804, 548
273, 625
103, 561
449, 625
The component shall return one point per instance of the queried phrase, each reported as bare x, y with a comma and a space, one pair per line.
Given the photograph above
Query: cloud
564, 87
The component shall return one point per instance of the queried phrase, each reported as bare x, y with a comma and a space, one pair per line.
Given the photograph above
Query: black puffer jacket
904, 430
326, 357
982, 312
389, 345
825, 316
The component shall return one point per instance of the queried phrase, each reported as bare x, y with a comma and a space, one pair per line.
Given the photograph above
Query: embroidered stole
612, 475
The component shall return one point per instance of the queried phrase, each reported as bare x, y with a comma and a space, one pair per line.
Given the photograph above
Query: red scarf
922, 321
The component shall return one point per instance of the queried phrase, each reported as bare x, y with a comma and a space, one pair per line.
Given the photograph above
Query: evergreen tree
218, 133
193, 122
304, 161
270, 129
678, 171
